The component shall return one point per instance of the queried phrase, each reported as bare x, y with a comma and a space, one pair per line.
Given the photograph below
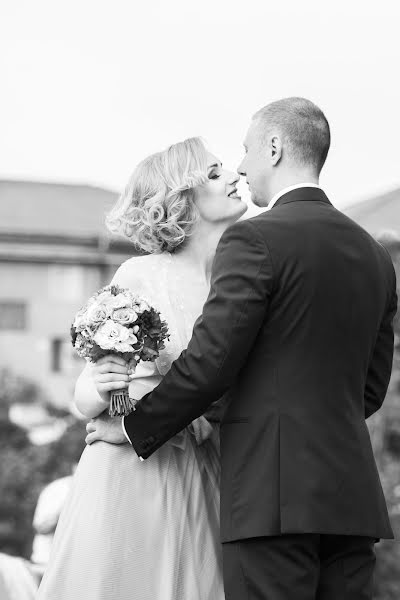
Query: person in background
17, 580
48, 510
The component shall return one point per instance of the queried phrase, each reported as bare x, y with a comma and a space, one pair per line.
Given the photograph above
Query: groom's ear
275, 148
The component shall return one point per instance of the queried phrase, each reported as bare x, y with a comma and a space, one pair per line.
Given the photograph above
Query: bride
150, 530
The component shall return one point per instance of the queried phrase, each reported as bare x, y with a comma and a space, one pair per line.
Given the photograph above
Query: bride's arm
86, 398
94, 384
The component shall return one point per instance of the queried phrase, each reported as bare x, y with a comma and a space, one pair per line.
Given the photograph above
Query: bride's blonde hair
157, 211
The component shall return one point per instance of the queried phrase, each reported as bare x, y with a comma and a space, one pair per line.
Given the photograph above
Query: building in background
378, 213
54, 253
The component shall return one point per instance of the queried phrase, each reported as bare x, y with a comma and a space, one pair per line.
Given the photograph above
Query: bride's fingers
106, 377
112, 358
111, 367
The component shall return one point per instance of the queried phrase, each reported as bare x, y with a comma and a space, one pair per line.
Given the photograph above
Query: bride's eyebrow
214, 165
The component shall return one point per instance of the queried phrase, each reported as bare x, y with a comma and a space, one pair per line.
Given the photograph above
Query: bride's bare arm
94, 384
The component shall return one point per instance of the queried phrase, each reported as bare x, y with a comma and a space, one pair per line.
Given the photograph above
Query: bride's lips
234, 194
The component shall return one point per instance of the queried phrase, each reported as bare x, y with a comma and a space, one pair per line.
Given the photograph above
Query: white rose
143, 306
119, 301
102, 298
111, 334
80, 321
123, 347
97, 313
125, 316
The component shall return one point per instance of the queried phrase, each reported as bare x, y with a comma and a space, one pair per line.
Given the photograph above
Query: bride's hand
110, 373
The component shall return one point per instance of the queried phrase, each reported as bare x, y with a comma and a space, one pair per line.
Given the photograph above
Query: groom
298, 326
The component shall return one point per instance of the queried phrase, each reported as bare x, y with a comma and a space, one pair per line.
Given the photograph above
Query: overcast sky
91, 87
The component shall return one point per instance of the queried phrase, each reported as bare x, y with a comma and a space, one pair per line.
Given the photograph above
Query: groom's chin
260, 201
256, 201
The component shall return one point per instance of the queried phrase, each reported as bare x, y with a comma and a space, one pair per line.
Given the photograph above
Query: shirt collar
289, 189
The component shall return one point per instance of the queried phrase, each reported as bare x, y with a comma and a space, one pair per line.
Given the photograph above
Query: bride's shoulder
137, 271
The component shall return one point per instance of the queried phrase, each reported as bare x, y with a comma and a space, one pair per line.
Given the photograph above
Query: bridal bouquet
117, 321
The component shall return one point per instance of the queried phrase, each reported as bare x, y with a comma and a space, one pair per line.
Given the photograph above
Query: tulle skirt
133, 530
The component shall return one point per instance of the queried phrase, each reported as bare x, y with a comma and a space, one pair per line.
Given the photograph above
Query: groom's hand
106, 429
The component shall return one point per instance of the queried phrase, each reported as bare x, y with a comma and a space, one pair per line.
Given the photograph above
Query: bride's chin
235, 217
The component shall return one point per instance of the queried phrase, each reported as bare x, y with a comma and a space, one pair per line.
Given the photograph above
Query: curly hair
157, 209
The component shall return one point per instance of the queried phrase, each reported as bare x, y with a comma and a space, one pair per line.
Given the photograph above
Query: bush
19, 490
387, 574
24, 470
15, 389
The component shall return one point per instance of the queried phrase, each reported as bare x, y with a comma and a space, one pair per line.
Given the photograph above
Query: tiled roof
53, 208
59, 208
379, 213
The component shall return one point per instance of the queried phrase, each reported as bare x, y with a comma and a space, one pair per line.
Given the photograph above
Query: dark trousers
299, 567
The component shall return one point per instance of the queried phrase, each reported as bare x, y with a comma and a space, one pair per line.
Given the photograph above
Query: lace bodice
178, 295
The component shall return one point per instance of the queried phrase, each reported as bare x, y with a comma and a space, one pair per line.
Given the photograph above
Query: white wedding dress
133, 530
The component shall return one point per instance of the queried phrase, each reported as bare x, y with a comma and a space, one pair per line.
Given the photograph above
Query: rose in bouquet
117, 321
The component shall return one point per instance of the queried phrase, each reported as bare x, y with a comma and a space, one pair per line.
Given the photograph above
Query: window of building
56, 354
12, 315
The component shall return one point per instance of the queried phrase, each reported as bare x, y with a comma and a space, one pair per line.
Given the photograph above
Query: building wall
52, 294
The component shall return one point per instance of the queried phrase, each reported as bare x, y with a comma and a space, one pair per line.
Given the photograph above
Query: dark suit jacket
298, 325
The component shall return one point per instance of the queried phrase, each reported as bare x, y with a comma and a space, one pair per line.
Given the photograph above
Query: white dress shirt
289, 189
124, 430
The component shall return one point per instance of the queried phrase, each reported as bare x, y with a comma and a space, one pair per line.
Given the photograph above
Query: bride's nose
233, 178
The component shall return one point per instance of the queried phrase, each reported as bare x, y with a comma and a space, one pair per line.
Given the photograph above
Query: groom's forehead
249, 135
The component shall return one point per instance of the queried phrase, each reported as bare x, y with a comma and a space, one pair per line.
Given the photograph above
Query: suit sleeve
222, 338
380, 367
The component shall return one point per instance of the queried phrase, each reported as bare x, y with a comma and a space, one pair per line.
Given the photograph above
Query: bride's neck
199, 249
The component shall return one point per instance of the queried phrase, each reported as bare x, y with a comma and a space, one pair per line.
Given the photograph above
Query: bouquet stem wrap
121, 404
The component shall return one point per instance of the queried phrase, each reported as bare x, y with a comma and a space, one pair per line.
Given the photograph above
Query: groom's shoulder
254, 228
263, 222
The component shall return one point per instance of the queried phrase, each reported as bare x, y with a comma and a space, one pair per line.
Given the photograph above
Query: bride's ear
275, 149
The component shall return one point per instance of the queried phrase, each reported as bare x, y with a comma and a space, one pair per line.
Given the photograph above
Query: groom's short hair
302, 126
